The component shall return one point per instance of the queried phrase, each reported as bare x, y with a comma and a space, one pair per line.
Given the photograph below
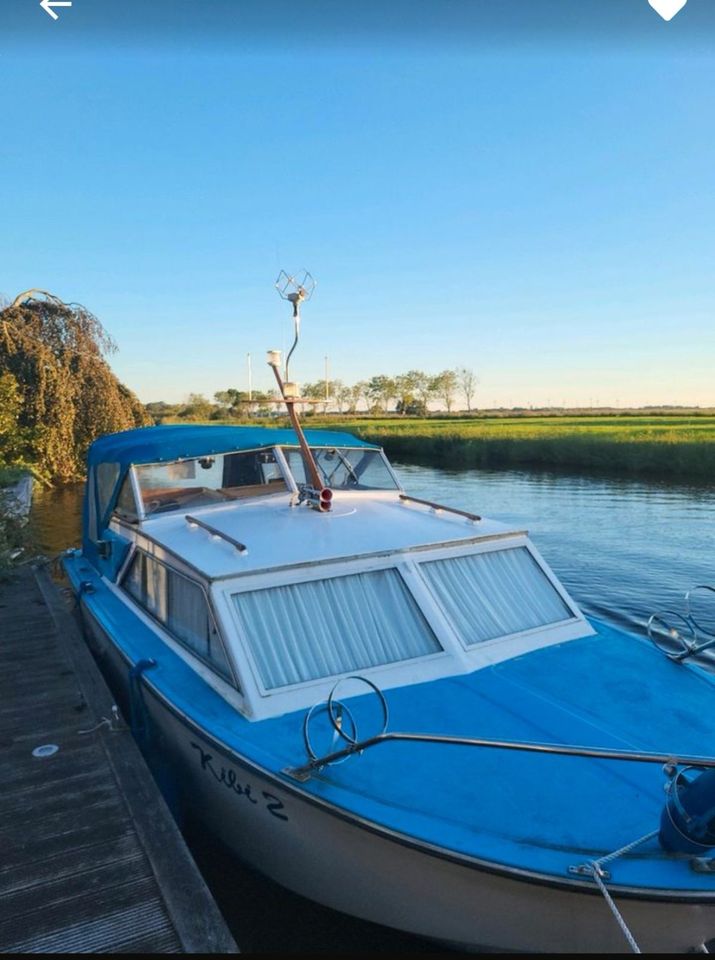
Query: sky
522, 187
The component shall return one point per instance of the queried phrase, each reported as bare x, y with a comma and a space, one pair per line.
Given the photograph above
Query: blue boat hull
351, 863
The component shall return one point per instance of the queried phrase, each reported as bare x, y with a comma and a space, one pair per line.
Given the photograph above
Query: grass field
648, 445
671, 445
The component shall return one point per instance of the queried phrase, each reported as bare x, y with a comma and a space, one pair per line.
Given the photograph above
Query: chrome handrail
475, 518
691, 648
215, 532
303, 773
691, 618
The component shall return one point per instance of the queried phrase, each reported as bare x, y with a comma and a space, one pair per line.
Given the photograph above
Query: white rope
116, 722
627, 849
105, 721
614, 909
595, 868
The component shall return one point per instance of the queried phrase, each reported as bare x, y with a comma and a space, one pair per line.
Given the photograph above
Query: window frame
232, 678
455, 659
130, 478
455, 553
265, 581
334, 446
290, 485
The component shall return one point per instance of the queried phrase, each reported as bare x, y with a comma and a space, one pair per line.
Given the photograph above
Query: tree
406, 387
361, 391
158, 410
225, 400
467, 380
235, 403
445, 387
424, 387
342, 394
317, 391
56, 352
15, 442
197, 407
381, 390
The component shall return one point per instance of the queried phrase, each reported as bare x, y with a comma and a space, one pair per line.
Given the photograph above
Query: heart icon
667, 8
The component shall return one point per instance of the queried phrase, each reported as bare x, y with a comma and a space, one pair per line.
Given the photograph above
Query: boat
392, 706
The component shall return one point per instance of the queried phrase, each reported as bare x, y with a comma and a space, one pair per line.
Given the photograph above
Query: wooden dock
91, 860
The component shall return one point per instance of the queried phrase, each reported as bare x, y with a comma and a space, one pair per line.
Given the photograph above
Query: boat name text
230, 780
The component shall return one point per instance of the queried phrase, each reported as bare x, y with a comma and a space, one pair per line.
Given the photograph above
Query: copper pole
315, 478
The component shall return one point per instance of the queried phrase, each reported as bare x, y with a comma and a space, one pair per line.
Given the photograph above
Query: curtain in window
154, 584
146, 582
188, 615
489, 595
180, 605
324, 628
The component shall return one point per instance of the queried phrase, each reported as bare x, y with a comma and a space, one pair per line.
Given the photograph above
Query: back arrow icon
47, 6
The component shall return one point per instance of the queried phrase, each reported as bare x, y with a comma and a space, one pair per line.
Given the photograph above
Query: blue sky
524, 187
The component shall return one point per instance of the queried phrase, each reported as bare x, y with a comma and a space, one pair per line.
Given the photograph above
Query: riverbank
671, 446
16, 487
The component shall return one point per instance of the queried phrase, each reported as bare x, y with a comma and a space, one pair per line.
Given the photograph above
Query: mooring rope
627, 849
595, 869
597, 876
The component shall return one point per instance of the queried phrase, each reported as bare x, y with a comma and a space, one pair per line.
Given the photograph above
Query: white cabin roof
277, 534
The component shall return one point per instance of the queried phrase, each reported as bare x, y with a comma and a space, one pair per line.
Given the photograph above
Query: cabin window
495, 594
126, 505
211, 479
325, 628
344, 468
107, 476
180, 605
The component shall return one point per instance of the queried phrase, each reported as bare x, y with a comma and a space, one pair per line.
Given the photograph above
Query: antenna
295, 289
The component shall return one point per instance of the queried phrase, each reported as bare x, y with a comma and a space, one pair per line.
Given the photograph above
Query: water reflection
56, 518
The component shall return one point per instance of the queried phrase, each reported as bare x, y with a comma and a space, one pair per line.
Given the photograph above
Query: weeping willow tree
53, 361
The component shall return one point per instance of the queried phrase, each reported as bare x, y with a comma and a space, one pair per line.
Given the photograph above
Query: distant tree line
408, 394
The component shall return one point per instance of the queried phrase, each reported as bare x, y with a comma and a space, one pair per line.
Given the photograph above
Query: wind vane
295, 291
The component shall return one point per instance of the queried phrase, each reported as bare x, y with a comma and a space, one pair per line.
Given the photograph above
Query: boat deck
359, 524
92, 860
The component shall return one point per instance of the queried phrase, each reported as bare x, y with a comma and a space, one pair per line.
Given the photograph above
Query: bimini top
177, 441
110, 457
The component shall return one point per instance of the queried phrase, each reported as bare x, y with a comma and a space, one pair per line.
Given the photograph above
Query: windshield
211, 479
344, 468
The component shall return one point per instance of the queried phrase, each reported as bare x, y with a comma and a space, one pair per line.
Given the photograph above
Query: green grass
669, 445
648, 445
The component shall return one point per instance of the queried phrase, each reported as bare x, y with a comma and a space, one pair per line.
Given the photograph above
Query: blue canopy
110, 457
177, 441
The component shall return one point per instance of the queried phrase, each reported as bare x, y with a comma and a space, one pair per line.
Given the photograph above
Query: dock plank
91, 860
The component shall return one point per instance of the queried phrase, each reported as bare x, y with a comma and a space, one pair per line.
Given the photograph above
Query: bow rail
304, 772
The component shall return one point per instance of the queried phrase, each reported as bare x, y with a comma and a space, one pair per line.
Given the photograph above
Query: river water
623, 548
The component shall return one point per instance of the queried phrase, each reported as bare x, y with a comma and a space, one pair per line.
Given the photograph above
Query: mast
315, 493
